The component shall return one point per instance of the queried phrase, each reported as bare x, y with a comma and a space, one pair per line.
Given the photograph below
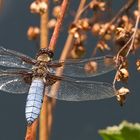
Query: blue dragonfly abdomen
34, 100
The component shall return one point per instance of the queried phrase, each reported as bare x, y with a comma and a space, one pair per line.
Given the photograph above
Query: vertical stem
44, 30
31, 131
46, 112
43, 124
56, 31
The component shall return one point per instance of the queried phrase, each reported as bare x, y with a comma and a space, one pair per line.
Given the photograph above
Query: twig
31, 131
43, 124
56, 31
46, 111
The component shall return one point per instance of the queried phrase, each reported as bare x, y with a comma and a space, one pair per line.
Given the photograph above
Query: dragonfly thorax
44, 58
40, 70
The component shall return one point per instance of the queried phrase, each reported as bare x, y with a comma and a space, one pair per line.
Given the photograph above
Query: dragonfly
57, 79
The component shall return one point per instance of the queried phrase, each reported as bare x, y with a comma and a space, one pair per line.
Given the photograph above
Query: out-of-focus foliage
125, 131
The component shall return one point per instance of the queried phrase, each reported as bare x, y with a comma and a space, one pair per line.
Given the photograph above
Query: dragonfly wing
71, 90
10, 58
83, 68
14, 81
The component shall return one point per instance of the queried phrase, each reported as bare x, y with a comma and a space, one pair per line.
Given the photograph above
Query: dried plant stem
31, 131
43, 127
46, 111
43, 124
56, 31
44, 31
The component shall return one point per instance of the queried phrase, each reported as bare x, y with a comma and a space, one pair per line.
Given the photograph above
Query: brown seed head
56, 11
138, 64
123, 75
102, 46
96, 29
33, 33
97, 5
121, 95
39, 7
52, 23
78, 51
91, 67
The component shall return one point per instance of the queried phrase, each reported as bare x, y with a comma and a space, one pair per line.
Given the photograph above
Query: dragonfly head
44, 55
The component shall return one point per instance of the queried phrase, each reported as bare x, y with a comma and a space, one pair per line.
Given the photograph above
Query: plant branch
31, 131
43, 124
57, 28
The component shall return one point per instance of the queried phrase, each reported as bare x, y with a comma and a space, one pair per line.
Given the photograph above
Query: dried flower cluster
117, 33
39, 7
120, 34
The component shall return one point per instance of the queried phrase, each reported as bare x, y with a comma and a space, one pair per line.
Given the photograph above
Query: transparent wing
14, 81
71, 90
83, 68
10, 58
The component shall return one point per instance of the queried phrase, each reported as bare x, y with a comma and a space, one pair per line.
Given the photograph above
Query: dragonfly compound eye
45, 51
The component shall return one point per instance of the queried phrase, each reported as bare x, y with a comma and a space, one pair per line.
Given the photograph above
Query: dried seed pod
123, 75
56, 11
122, 36
39, 7
96, 29
136, 13
52, 23
121, 95
121, 61
83, 24
78, 51
138, 64
91, 67
73, 29
34, 8
43, 7
33, 33
97, 5
104, 30
107, 36
102, 46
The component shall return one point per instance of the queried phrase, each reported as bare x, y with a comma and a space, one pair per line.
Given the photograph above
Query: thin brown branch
43, 124
31, 131
57, 28
43, 127
46, 112
44, 31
